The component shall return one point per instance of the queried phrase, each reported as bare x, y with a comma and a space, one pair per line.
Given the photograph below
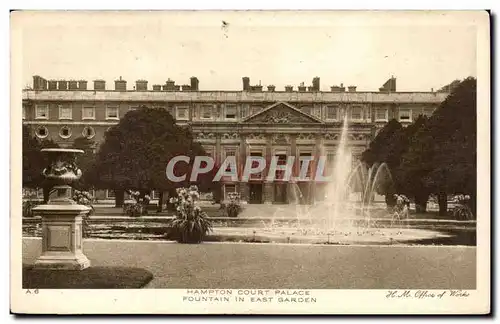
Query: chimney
156, 87
177, 88
186, 87
141, 85
99, 85
62, 85
52, 85
288, 88
169, 85
82, 85
194, 84
302, 87
271, 88
120, 85
73, 85
39, 83
246, 83
351, 88
310, 88
315, 84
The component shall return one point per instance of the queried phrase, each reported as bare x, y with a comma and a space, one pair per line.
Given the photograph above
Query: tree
416, 163
34, 161
135, 153
453, 129
387, 147
85, 161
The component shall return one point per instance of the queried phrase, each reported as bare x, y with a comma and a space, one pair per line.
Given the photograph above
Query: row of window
64, 132
66, 112
182, 113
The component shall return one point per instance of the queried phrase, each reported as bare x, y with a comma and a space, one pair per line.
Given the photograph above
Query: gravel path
245, 265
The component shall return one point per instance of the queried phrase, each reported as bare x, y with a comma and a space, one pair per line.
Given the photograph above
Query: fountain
61, 216
338, 218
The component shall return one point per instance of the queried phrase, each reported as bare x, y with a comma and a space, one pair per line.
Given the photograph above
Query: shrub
28, 207
190, 224
140, 205
233, 207
29, 201
84, 198
462, 210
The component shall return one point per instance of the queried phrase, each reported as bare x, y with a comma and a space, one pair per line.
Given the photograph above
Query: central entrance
255, 193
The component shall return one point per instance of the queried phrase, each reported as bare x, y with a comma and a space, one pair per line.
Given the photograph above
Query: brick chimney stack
315, 84
194, 84
246, 83
62, 85
141, 85
73, 85
120, 85
39, 83
52, 85
82, 85
99, 85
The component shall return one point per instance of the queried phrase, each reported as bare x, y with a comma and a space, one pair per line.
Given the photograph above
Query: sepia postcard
250, 162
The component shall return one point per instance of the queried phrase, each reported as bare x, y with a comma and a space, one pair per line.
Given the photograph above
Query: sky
422, 51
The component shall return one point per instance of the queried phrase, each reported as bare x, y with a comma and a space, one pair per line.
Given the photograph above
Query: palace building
303, 122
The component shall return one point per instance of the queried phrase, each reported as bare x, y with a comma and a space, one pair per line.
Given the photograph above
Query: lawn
248, 265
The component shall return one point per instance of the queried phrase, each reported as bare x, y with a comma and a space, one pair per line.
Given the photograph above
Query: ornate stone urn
62, 216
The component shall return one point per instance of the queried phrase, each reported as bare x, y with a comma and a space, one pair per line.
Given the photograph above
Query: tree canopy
34, 161
436, 154
135, 153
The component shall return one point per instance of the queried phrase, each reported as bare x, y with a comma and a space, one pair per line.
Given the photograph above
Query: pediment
282, 113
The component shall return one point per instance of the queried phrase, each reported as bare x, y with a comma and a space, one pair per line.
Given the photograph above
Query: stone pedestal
62, 237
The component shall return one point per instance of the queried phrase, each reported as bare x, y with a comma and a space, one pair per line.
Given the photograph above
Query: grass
90, 278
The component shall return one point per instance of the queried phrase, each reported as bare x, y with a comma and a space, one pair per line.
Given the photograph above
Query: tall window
111, 112
356, 113
42, 111
206, 112
24, 112
230, 111
381, 114
332, 112
182, 113
230, 152
405, 115
255, 164
65, 112
88, 112
282, 158
302, 158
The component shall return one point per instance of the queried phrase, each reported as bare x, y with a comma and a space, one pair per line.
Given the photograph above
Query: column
292, 182
243, 186
268, 190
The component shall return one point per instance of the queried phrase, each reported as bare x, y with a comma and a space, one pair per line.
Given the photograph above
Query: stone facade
240, 123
